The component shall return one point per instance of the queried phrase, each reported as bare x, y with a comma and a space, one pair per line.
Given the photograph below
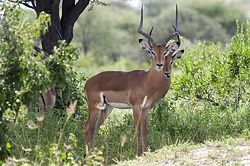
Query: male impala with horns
138, 90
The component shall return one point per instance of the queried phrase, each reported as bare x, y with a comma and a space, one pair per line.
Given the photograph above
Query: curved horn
147, 36
176, 27
176, 19
151, 30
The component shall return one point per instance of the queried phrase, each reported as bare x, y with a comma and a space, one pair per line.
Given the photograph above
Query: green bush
217, 76
25, 73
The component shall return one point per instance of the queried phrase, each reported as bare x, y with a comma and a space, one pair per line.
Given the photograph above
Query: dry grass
227, 152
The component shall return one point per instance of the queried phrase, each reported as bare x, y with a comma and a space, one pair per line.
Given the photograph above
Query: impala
138, 89
47, 101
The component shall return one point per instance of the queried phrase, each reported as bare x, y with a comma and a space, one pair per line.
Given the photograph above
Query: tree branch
25, 3
207, 99
67, 5
33, 3
200, 98
70, 14
79, 8
40, 50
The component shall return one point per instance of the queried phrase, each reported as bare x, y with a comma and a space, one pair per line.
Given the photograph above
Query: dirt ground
237, 155
212, 153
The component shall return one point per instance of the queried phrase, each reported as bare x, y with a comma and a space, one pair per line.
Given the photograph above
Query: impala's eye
166, 53
152, 52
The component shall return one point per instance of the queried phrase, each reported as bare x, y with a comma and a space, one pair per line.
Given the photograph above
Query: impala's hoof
137, 157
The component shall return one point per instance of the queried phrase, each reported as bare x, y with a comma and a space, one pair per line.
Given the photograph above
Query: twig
40, 50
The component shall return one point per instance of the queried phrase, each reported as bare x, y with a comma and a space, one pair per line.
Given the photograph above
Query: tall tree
61, 27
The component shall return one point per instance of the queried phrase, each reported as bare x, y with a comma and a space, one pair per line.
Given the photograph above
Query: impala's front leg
144, 129
137, 116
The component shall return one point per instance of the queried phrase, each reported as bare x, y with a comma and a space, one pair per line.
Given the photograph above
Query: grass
225, 152
177, 129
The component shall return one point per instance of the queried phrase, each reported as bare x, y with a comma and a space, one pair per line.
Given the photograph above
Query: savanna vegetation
209, 97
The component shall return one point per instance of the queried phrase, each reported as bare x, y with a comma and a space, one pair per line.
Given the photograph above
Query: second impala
138, 89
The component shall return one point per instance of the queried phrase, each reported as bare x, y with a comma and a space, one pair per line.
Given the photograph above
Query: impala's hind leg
96, 105
90, 128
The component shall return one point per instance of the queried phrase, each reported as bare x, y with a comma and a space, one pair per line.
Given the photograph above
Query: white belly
120, 105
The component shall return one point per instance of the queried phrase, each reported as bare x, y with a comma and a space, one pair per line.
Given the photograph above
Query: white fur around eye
166, 53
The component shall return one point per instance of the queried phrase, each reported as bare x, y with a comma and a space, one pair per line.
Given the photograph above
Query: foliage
214, 75
223, 13
117, 132
193, 26
24, 73
210, 97
100, 34
53, 141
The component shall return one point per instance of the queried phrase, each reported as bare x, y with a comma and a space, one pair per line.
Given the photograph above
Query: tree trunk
60, 28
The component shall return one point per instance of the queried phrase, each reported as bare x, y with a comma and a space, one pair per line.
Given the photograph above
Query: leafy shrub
214, 75
209, 99
25, 74
22, 74
53, 141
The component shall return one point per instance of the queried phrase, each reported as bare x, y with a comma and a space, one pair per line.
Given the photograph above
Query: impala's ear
178, 54
172, 45
144, 45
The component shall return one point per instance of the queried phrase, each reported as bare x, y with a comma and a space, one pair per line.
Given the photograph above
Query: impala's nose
167, 75
159, 65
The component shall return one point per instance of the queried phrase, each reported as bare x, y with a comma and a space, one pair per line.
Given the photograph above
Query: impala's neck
156, 79
157, 83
